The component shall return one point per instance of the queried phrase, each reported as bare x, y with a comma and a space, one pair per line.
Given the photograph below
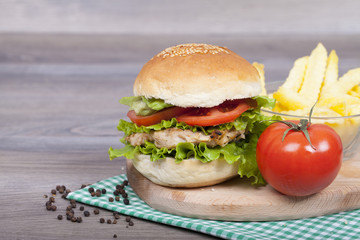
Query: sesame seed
189, 49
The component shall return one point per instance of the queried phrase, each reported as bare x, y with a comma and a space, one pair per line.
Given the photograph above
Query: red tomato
292, 166
155, 118
225, 112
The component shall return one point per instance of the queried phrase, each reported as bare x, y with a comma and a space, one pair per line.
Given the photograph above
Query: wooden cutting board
237, 200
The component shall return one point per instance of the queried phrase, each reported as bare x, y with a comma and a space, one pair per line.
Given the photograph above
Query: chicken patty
170, 137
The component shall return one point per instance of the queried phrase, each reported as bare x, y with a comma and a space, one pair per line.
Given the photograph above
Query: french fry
290, 100
355, 91
349, 80
332, 70
260, 68
314, 76
296, 74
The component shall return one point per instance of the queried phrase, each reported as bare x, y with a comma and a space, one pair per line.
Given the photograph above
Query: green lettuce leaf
143, 106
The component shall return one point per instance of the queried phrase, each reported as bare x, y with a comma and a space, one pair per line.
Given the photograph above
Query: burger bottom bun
188, 173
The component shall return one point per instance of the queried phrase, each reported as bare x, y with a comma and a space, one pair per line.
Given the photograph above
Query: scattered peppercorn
128, 218
53, 192
91, 189
126, 201
117, 198
68, 217
63, 187
111, 199
108, 221
73, 219
131, 223
93, 194
86, 213
96, 211
81, 208
73, 205
121, 191
126, 182
83, 186
124, 195
115, 236
103, 191
116, 216
68, 191
53, 208
72, 201
114, 221
45, 196
98, 193
64, 196
60, 217
79, 219
116, 192
68, 208
52, 199
57, 187
102, 220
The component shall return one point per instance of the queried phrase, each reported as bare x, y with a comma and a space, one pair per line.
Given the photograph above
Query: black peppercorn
53, 192
103, 191
111, 199
79, 219
81, 208
126, 201
60, 217
102, 220
98, 193
126, 182
117, 198
96, 211
86, 213
108, 221
128, 218
91, 189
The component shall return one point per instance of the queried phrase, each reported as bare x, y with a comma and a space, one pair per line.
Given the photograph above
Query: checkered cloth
344, 225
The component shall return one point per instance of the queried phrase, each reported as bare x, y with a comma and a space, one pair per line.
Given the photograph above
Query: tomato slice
155, 118
225, 112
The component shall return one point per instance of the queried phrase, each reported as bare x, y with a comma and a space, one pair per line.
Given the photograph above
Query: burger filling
228, 131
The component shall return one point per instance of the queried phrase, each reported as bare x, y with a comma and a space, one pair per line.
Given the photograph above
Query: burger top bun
197, 75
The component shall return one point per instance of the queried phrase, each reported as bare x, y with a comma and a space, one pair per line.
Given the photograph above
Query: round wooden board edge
179, 201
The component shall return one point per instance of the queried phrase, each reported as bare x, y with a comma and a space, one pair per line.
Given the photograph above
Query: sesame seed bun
188, 173
197, 75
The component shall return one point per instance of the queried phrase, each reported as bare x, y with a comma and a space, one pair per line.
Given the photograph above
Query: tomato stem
303, 126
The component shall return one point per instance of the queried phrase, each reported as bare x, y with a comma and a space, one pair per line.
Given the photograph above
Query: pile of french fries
314, 79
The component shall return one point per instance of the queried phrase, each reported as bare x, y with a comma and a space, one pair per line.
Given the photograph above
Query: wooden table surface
59, 111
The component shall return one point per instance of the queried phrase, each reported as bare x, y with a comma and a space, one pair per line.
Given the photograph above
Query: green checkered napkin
344, 225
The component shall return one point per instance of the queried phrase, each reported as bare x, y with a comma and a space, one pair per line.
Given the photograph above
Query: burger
194, 118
